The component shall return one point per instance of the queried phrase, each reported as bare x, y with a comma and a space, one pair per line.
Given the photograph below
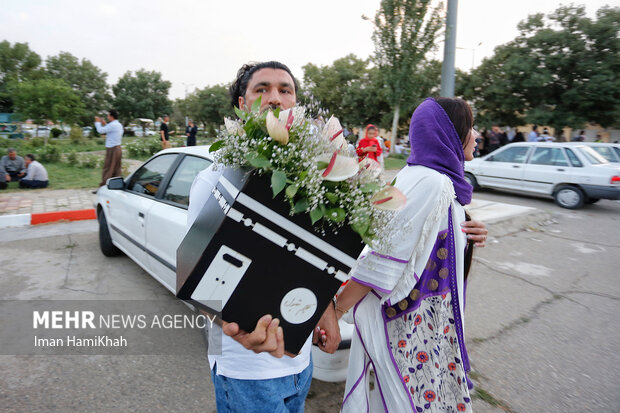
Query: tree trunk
395, 125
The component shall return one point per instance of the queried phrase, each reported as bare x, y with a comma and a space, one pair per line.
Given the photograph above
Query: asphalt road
540, 326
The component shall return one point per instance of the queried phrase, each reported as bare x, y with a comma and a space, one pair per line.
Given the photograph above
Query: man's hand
475, 231
8, 178
266, 337
97, 119
327, 332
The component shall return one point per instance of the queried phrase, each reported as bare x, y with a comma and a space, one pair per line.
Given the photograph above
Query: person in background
4, 177
113, 152
190, 132
581, 137
545, 137
497, 138
518, 136
369, 146
13, 165
164, 133
36, 175
533, 136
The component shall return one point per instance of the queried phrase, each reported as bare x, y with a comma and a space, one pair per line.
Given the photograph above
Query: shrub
49, 154
55, 132
91, 161
36, 142
72, 158
100, 141
76, 135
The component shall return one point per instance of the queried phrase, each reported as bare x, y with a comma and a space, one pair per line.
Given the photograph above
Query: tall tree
561, 70
208, 106
143, 95
405, 32
47, 99
86, 79
17, 63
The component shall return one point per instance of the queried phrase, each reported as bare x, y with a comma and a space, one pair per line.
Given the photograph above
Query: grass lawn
394, 162
63, 176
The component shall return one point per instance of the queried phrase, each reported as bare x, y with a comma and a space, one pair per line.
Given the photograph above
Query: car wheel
569, 197
105, 241
471, 180
592, 200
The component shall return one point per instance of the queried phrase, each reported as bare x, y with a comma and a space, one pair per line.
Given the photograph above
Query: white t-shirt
236, 361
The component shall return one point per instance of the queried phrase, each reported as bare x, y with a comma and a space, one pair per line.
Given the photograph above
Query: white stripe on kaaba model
230, 188
234, 215
311, 258
295, 229
269, 234
341, 276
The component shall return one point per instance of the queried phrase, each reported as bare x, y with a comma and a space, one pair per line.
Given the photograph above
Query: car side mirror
116, 183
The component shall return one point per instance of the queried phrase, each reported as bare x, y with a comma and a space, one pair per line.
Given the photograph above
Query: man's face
166, 119
12, 155
495, 129
110, 118
27, 161
276, 87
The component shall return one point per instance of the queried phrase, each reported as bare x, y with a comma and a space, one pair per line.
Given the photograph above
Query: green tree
208, 106
405, 32
17, 63
88, 81
143, 95
47, 99
561, 70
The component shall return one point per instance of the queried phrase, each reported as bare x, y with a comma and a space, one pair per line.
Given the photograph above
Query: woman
369, 146
406, 297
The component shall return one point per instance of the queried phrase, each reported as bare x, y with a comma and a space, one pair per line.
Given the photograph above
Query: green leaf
301, 205
278, 182
322, 165
291, 190
257, 161
393, 182
256, 105
241, 114
333, 198
315, 215
303, 174
369, 188
336, 214
216, 145
360, 227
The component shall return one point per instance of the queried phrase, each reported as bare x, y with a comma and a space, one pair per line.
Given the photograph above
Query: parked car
571, 173
139, 132
145, 215
609, 151
87, 131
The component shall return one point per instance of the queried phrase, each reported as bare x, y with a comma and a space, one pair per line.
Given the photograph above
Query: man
13, 165
533, 136
190, 132
252, 373
164, 133
497, 138
36, 176
4, 178
113, 153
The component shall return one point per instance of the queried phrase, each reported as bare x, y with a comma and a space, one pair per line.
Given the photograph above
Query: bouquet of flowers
308, 160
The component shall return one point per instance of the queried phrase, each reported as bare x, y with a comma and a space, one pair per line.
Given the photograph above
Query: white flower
333, 133
370, 170
233, 127
278, 127
338, 168
389, 199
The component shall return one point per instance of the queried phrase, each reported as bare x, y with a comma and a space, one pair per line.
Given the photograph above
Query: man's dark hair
10, 150
31, 157
113, 113
240, 85
534, 127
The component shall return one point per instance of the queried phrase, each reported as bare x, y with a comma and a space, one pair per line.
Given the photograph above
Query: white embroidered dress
409, 327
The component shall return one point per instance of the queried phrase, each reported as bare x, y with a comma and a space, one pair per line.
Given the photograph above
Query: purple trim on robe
371, 285
389, 257
389, 350
355, 386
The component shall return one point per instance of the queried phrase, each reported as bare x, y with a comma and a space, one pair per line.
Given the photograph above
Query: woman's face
470, 144
372, 132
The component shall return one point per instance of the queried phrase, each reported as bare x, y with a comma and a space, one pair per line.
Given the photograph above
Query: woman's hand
475, 231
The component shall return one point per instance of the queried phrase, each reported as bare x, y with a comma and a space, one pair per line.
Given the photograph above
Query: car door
503, 168
128, 208
167, 219
547, 167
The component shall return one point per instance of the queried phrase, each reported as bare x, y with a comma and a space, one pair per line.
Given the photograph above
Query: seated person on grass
36, 175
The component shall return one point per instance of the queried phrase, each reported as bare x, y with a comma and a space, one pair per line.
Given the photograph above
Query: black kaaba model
248, 253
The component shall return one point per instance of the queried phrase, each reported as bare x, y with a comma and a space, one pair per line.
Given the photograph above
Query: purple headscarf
436, 145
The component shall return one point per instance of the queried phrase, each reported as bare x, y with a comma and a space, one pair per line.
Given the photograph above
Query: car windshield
606, 152
592, 156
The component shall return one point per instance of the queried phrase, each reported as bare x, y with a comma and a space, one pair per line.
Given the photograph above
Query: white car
609, 151
145, 215
139, 132
572, 173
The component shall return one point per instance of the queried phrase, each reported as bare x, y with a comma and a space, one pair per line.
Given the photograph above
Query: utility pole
447, 67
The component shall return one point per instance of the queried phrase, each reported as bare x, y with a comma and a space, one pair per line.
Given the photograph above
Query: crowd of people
27, 171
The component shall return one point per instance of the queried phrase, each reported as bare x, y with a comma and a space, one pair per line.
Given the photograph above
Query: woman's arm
350, 295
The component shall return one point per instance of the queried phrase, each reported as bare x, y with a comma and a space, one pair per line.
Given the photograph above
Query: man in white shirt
252, 374
113, 153
36, 175
533, 136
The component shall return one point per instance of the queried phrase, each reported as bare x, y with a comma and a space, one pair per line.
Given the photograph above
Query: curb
21, 220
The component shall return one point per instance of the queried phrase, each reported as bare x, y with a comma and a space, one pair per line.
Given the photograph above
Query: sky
196, 43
